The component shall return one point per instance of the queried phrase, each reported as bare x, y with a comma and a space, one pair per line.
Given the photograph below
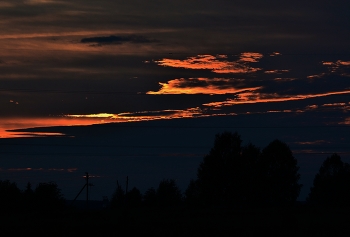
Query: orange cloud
335, 66
334, 104
275, 54
250, 57
276, 71
316, 76
200, 86
217, 64
311, 107
344, 63
346, 121
254, 97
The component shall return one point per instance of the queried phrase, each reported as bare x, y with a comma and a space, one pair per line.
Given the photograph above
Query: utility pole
87, 190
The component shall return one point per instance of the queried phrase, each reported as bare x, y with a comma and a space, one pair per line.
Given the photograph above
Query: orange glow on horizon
7, 125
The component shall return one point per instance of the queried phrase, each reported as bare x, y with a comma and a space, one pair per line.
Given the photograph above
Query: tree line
46, 197
232, 175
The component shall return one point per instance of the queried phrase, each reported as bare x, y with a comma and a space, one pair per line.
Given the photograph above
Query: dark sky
168, 75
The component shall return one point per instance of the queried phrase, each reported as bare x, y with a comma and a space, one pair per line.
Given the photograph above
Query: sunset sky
160, 79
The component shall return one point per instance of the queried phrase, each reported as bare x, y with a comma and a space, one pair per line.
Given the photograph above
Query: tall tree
331, 186
278, 175
219, 172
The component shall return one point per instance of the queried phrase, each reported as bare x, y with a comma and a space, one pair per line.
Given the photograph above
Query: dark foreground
297, 221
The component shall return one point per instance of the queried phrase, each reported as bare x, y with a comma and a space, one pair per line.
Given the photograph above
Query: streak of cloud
201, 86
144, 115
276, 71
254, 97
217, 64
317, 142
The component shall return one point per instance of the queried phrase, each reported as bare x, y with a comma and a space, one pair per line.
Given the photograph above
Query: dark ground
297, 221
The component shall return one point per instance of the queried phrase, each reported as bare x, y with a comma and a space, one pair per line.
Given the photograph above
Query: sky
140, 88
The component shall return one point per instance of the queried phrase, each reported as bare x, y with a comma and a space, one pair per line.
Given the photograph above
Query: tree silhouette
236, 175
10, 195
331, 186
150, 197
29, 190
133, 198
193, 195
278, 175
48, 196
168, 193
219, 171
118, 197
250, 175
28, 198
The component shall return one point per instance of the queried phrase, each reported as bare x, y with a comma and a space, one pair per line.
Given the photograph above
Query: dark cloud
112, 39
